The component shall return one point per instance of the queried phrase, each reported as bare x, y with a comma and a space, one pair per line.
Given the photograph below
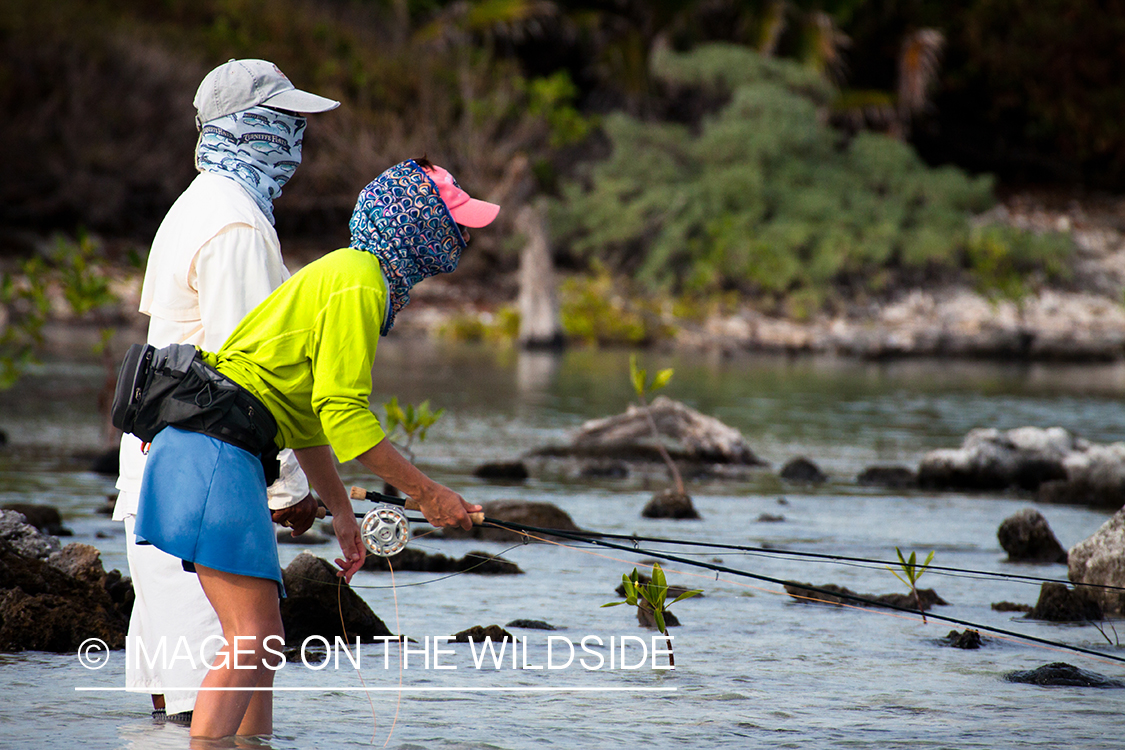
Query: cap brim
296, 100
475, 213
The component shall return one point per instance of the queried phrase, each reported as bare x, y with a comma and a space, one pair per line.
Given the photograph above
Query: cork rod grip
358, 493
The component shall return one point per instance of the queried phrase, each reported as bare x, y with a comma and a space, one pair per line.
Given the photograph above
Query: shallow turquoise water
754, 668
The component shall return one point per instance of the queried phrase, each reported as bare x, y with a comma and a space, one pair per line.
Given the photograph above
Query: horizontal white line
352, 689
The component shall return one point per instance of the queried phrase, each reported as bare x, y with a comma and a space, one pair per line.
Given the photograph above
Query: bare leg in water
248, 611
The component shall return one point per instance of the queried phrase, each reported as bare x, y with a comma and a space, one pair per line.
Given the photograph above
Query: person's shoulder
225, 198
356, 264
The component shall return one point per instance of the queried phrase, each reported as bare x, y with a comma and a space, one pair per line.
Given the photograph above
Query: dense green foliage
764, 195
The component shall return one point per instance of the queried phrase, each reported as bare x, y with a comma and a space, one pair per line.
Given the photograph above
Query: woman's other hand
351, 544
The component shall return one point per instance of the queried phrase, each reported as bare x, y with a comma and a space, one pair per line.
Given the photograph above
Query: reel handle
358, 493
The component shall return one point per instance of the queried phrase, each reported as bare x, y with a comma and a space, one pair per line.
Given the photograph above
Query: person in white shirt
214, 258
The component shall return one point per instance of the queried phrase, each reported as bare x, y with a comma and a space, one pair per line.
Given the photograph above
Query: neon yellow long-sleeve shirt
307, 351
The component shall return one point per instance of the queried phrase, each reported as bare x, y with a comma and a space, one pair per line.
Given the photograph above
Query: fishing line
344, 628
835, 594
908, 614
600, 540
590, 536
843, 559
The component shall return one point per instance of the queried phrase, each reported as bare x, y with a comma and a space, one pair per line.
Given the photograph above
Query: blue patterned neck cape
401, 220
259, 148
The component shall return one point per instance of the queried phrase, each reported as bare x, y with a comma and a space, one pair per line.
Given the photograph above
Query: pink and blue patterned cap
402, 219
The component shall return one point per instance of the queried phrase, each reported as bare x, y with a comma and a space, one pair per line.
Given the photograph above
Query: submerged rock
509, 471
670, 504
966, 639
1100, 560
531, 625
481, 563
1063, 674
1027, 537
479, 633
1010, 607
528, 513
316, 596
646, 618
801, 469
830, 593
1057, 603
892, 477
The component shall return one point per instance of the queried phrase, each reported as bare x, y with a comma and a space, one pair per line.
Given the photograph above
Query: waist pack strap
174, 386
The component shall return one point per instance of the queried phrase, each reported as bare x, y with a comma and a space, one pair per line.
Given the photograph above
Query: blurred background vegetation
803, 153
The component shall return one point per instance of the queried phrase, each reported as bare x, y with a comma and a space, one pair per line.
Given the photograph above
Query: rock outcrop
989, 459
700, 445
1054, 464
1027, 537
1100, 560
54, 599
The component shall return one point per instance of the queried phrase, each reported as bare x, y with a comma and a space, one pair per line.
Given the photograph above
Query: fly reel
385, 530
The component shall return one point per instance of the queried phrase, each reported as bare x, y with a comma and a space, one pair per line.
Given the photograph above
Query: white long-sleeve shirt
214, 258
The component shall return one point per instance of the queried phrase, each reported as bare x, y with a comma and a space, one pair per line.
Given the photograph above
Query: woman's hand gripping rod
385, 529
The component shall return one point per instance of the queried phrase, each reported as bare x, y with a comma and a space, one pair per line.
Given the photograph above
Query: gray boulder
1056, 465
1094, 476
24, 538
1026, 537
1100, 560
45, 518
701, 446
989, 459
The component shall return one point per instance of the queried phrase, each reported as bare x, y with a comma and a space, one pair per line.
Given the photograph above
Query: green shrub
764, 196
1002, 259
502, 327
599, 310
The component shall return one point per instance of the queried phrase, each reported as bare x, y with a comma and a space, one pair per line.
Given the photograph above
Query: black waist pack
174, 386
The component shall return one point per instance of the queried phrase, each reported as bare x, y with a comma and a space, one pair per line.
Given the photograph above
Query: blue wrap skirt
204, 501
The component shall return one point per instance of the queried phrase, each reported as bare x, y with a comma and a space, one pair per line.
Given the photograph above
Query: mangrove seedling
412, 421
652, 593
911, 572
644, 386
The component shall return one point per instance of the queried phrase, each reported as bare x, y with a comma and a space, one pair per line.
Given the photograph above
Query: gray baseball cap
241, 84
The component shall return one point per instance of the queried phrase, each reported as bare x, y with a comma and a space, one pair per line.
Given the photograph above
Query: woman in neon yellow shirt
306, 353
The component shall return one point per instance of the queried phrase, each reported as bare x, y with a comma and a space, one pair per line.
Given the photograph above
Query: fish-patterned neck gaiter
260, 148
401, 220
